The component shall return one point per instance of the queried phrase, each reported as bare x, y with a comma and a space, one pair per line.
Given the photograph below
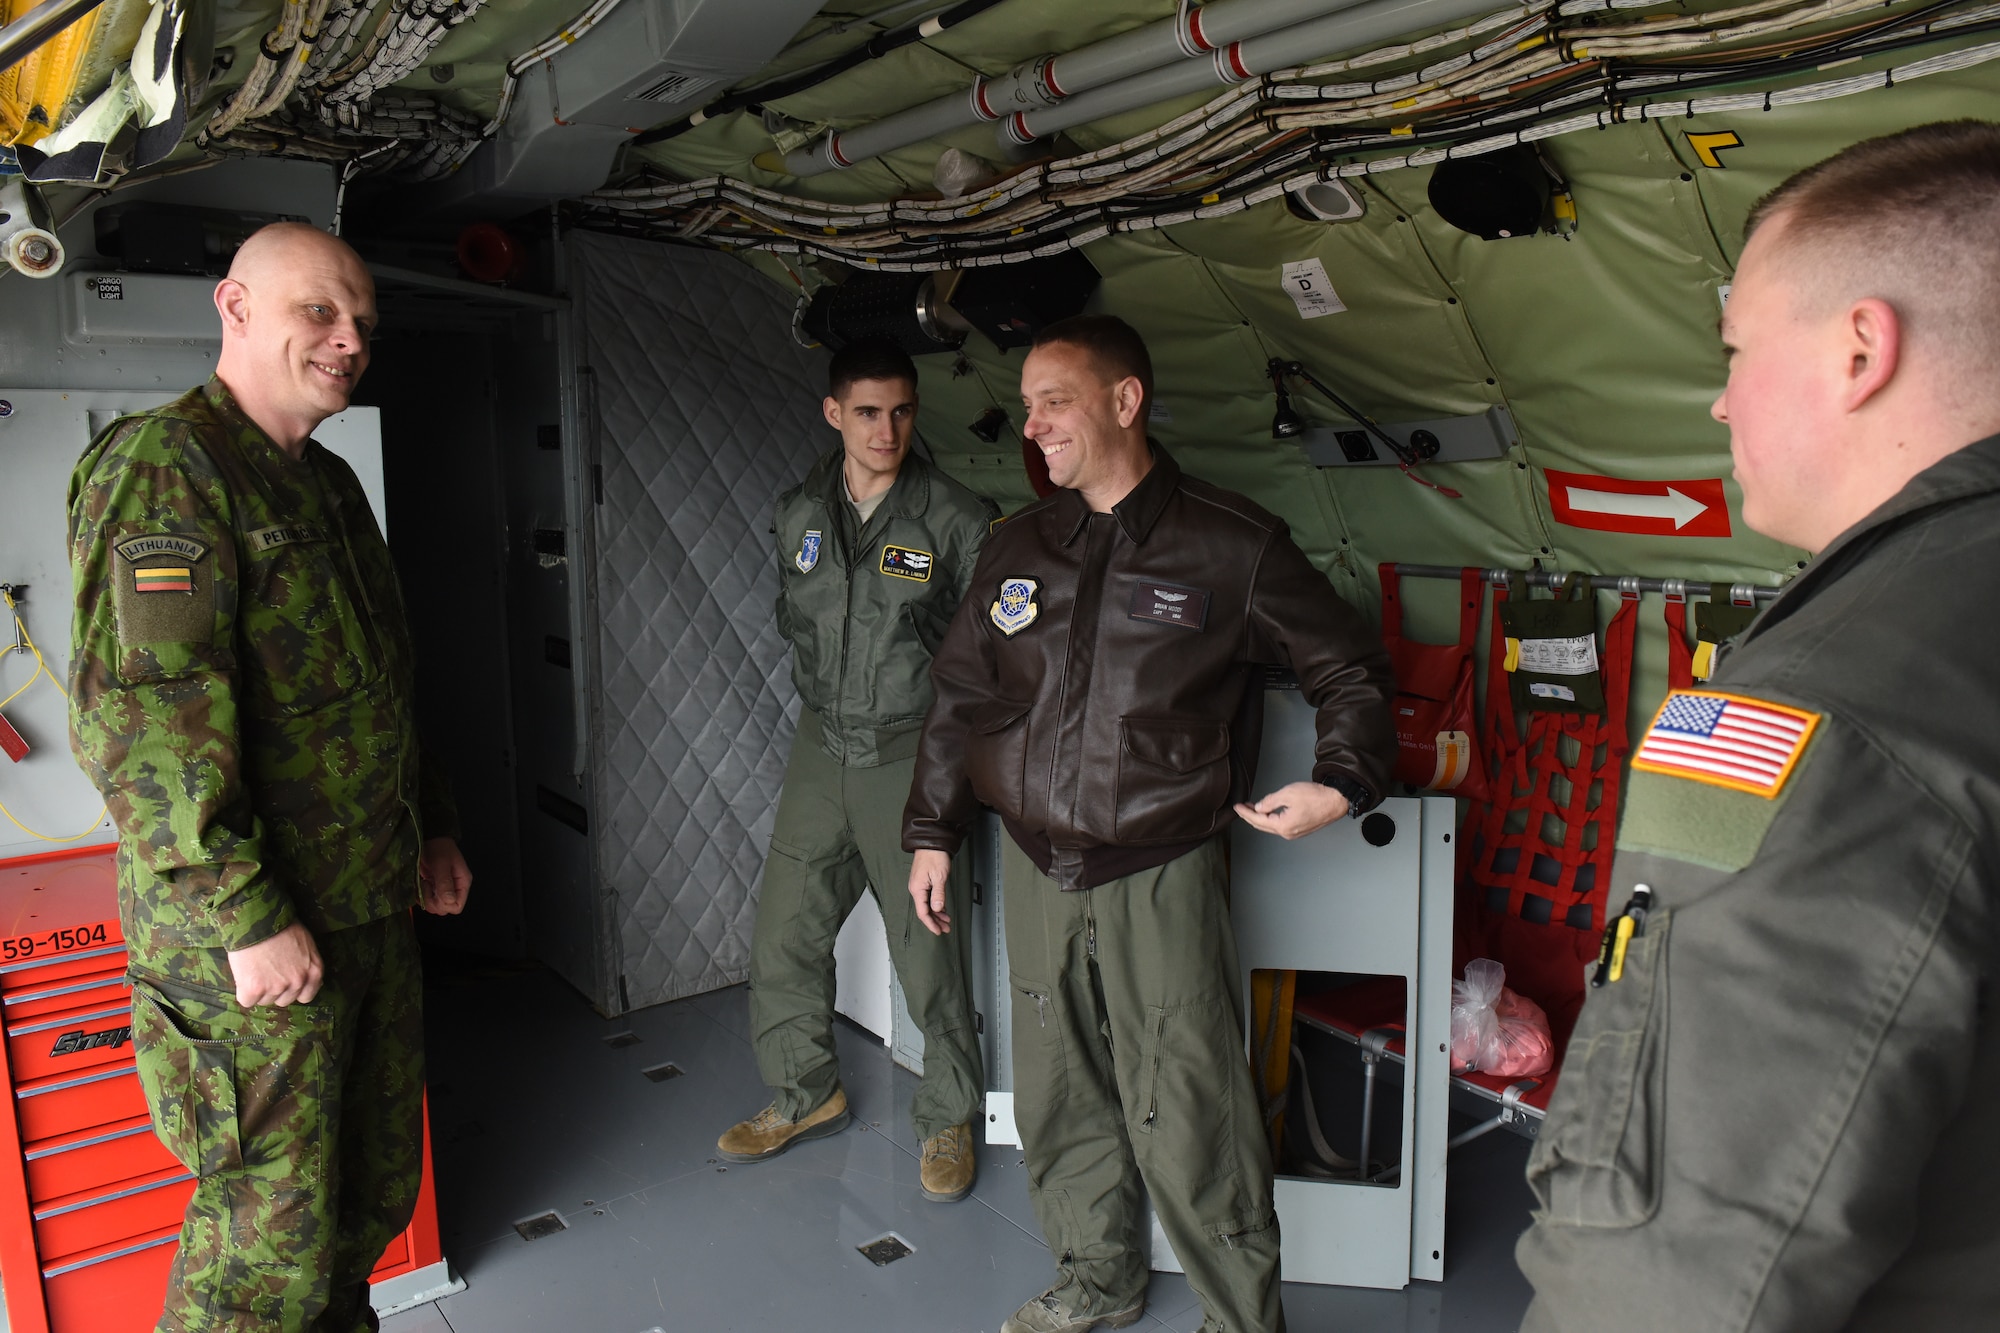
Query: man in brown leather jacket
1100, 688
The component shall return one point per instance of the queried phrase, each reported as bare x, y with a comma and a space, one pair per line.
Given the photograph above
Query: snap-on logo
69, 1043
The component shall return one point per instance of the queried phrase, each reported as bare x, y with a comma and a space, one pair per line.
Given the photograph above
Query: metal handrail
26, 34
1548, 578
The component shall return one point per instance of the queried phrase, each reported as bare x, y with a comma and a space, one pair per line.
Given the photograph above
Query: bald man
242, 693
1776, 1112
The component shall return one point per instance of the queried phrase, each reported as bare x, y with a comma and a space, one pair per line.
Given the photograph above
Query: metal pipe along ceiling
1361, 26
1194, 32
21, 38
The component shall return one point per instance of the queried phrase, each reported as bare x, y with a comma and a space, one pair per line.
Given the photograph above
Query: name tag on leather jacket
1170, 604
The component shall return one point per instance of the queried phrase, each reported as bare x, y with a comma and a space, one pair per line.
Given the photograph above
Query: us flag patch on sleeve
1726, 740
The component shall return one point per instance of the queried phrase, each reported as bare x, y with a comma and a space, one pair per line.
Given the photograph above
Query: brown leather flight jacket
1102, 686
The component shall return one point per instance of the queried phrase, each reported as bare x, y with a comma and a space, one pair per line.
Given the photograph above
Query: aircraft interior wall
1600, 346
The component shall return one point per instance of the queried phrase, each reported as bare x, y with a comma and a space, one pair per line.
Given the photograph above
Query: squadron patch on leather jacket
1016, 609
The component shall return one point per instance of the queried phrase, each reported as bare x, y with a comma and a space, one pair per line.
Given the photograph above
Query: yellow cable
41, 669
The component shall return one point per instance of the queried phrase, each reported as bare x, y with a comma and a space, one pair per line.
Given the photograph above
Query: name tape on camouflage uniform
1016, 609
905, 562
266, 539
161, 543
1726, 740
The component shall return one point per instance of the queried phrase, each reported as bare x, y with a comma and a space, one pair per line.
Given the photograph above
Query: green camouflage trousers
302, 1125
1130, 1069
838, 831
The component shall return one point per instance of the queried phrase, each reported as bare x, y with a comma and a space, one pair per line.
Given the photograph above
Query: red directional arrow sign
1646, 508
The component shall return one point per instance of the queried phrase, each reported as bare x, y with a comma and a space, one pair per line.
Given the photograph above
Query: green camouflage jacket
241, 682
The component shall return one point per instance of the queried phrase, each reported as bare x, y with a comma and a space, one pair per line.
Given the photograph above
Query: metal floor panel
532, 1111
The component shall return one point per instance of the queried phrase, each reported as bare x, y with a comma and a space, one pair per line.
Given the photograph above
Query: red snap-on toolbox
90, 1202
98, 1155
47, 1108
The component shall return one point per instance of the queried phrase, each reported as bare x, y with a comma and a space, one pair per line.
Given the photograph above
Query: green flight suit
1128, 1065
1779, 1119
242, 696
864, 607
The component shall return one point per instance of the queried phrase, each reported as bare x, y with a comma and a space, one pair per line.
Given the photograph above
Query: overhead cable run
1512, 77
338, 65
881, 44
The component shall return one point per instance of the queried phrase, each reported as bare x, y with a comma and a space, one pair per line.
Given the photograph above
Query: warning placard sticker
1560, 657
1311, 290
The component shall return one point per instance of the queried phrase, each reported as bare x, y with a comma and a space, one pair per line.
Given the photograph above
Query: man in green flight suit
875, 549
242, 695
1776, 1114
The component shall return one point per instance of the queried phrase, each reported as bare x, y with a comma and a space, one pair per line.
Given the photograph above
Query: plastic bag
1495, 1031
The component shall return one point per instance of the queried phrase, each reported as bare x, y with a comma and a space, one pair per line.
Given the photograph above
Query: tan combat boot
949, 1165
1047, 1313
770, 1134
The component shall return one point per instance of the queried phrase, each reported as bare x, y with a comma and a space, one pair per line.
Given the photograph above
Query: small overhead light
1325, 201
991, 422
1286, 423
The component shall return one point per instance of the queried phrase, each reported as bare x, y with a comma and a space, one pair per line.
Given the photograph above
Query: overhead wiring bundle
1510, 77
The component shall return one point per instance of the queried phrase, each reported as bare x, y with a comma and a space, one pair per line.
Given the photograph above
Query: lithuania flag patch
164, 578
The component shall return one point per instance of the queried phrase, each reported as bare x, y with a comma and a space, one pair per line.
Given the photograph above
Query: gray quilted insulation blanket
705, 409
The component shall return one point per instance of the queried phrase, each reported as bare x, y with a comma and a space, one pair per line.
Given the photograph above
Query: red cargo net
1539, 848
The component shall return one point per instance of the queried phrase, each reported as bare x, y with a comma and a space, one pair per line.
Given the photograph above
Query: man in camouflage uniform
243, 698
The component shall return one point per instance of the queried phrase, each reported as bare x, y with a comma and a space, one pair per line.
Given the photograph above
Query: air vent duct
642, 63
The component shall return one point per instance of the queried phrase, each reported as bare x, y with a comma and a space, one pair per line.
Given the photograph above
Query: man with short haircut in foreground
1101, 689
1778, 1115
243, 696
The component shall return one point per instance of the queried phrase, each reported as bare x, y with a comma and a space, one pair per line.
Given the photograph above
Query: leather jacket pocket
1173, 777
1598, 1161
996, 754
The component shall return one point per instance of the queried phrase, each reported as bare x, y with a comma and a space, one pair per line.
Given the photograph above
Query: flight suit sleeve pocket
1598, 1162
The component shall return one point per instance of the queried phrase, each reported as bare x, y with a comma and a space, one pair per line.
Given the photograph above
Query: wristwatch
1359, 797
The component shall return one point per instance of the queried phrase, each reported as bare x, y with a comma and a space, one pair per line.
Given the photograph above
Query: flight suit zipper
846, 567
1041, 1005
1153, 1092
